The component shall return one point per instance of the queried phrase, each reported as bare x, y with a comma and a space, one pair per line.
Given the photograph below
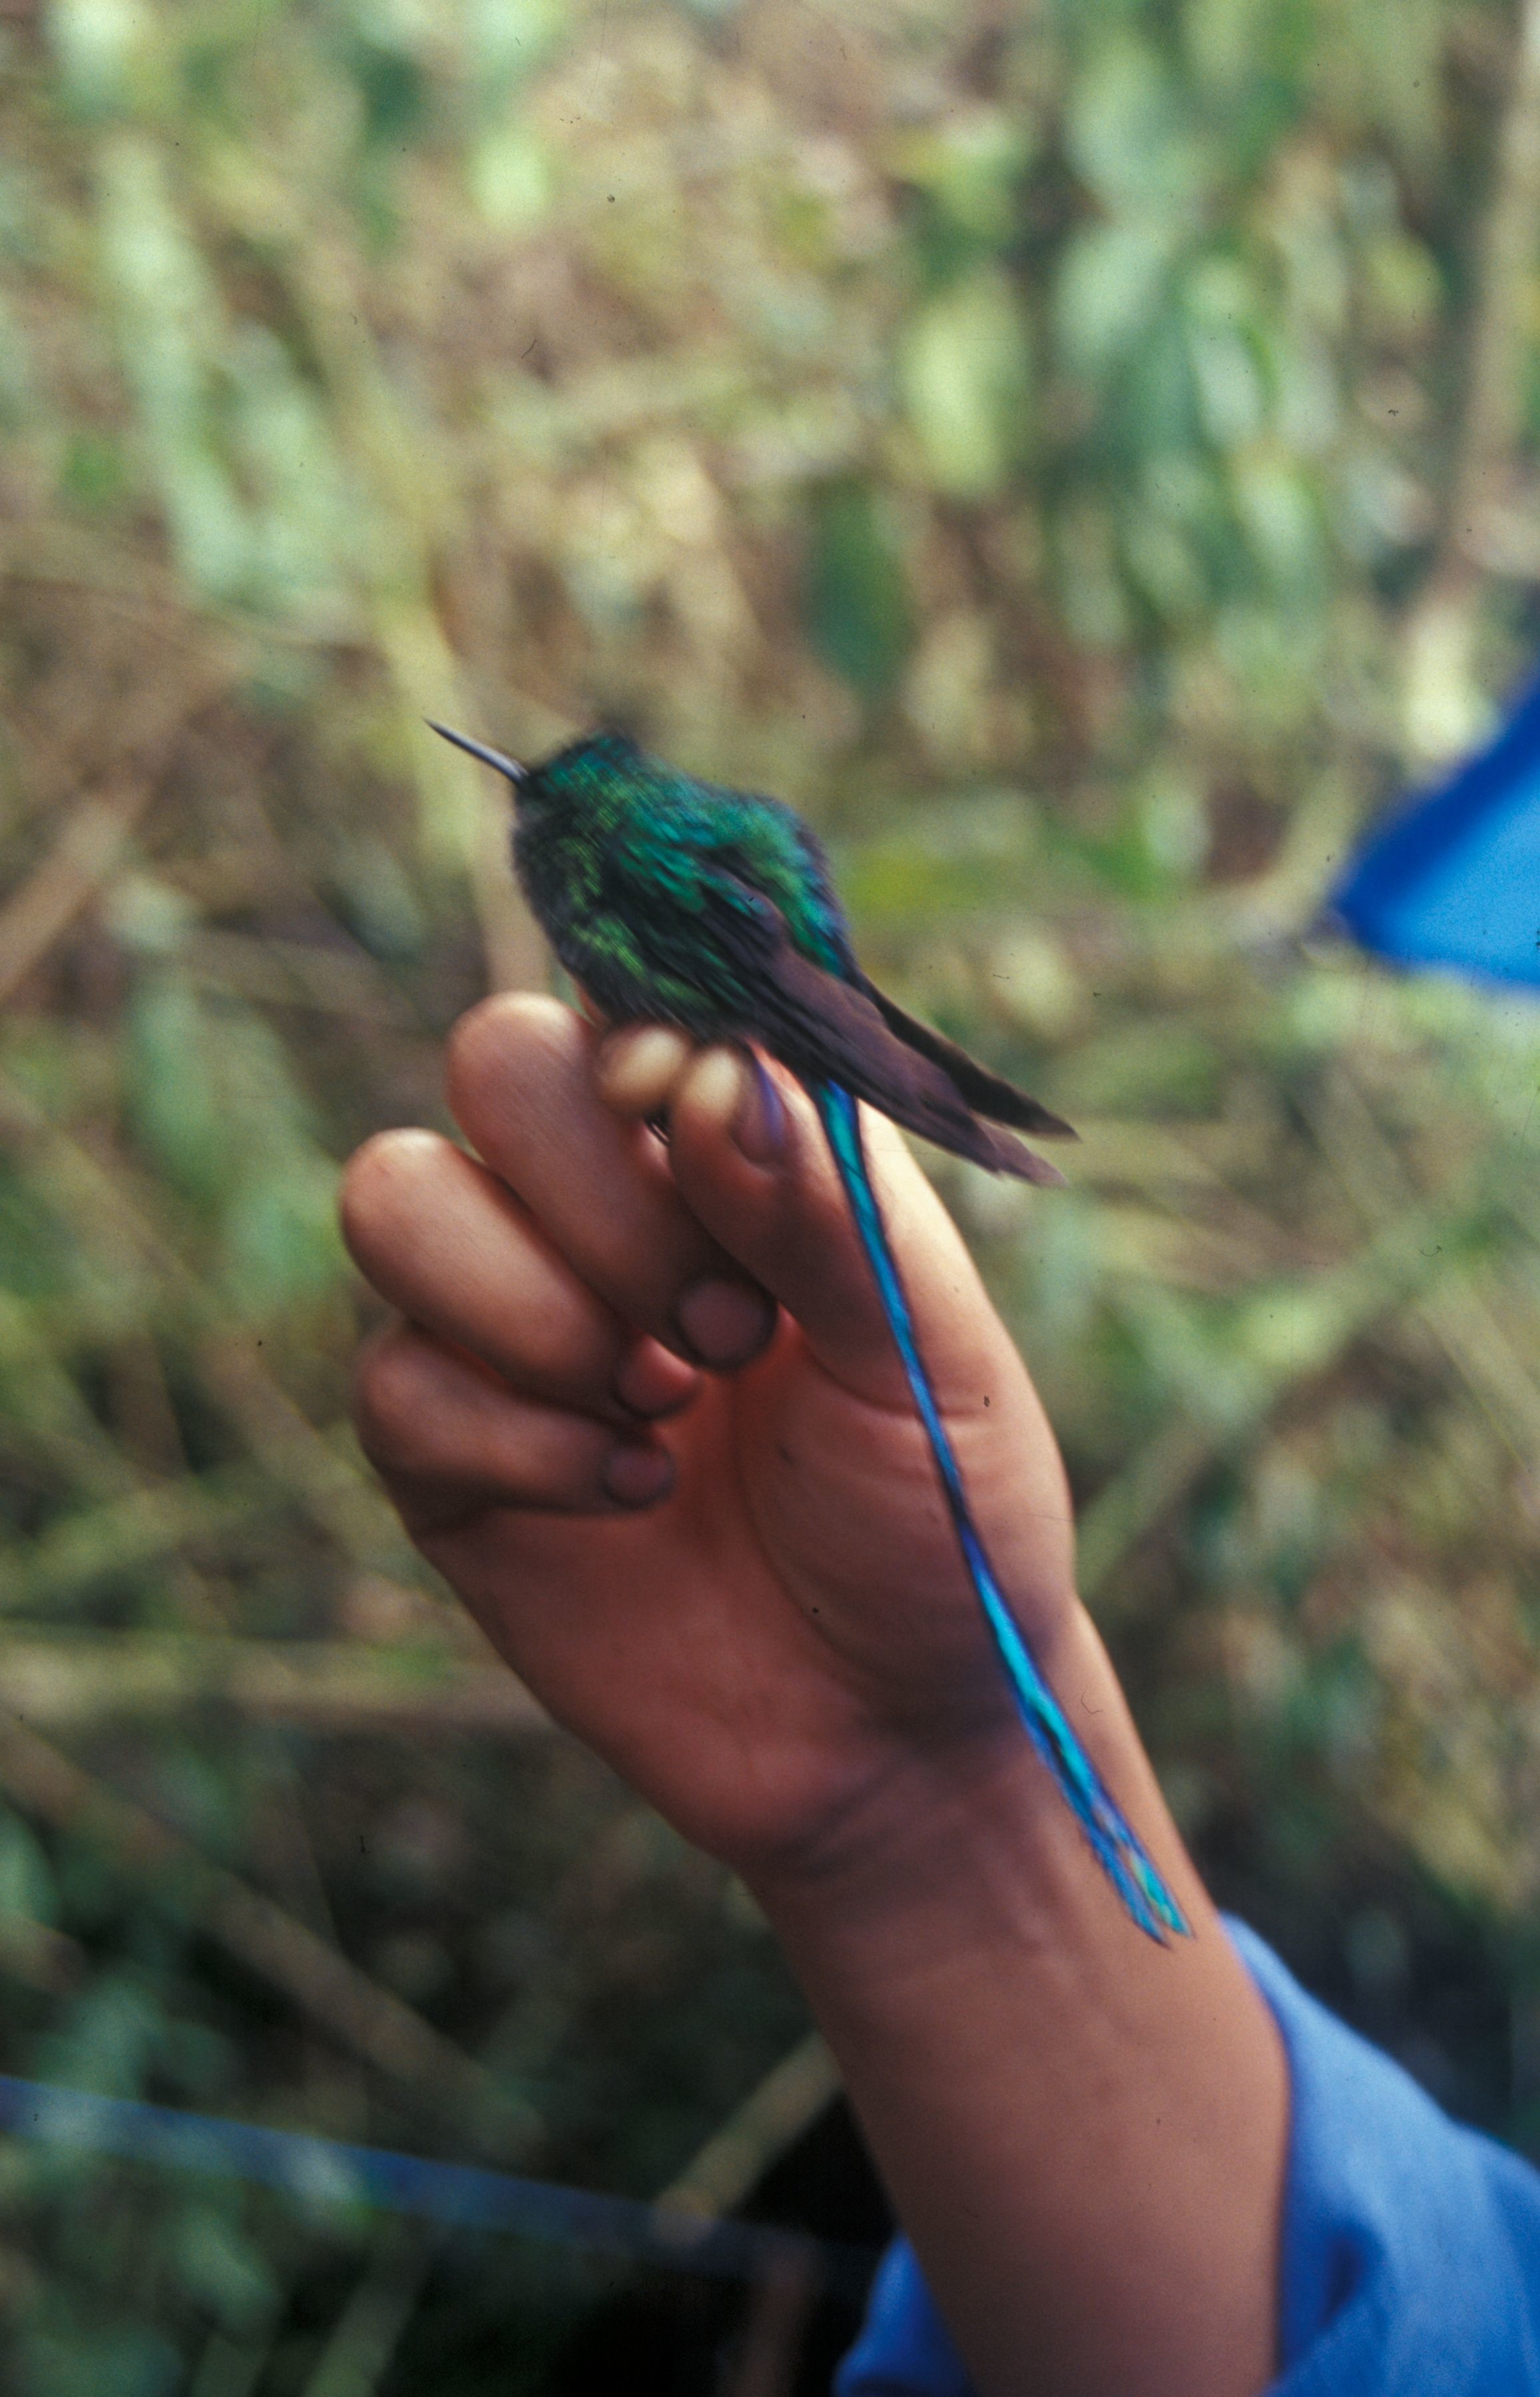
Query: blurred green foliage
1030, 441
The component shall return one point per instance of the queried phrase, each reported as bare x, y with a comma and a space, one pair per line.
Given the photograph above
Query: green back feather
621, 856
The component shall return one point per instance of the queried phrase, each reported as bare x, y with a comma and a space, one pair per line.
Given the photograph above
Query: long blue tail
1117, 1845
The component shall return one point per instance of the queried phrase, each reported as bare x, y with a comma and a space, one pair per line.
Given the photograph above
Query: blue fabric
1410, 2259
1454, 878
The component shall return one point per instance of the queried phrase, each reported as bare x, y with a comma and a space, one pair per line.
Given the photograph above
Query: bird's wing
989, 1094
828, 1030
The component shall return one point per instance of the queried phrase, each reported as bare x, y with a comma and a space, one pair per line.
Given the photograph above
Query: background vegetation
1088, 456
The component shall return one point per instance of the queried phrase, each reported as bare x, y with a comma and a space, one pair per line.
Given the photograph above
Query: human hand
644, 1411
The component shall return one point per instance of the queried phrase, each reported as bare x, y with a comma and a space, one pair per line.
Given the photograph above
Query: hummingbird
677, 902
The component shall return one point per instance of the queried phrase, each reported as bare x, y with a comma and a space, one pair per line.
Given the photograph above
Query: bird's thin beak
509, 766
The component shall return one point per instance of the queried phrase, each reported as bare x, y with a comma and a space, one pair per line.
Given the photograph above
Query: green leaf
18, 393
1165, 568
1130, 137
280, 1239
510, 179
1228, 42
1111, 285
222, 2271
128, 2361
376, 897
1282, 523
390, 78
1220, 311
109, 2038
971, 166
27, 1883
103, 48
93, 472
308, 525
857, 608
964, 368
172, 1091
507, 40
171, 330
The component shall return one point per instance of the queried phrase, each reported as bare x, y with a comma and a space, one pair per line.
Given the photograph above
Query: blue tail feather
1115, 1845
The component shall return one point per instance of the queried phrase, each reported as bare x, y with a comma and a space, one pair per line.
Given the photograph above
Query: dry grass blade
38, 1955
133, 1530
1457, 1309
292, 973
342, 1496
772, 2117
1405, 1264
370, 2020
369, 2329
330, 1685
69, 878
1442, 703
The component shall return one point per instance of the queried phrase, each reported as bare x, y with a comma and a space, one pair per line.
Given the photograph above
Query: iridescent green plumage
679, 902
674, 901
627, 864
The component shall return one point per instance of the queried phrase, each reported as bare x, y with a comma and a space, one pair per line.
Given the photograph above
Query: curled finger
450, 1246
450, 1437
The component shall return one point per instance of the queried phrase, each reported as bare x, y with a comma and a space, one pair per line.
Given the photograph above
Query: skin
641, 1407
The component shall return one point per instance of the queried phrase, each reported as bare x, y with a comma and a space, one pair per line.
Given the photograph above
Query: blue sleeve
1411, 2263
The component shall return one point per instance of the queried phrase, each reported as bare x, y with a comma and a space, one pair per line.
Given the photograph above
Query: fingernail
636, 1473
637, 1066
759, 1126
724, 1323
651, 1381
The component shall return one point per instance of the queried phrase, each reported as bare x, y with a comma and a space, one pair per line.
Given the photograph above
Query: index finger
521, 1087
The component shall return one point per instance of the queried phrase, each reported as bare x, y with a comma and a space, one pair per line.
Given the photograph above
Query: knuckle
562, 1468
556, 1356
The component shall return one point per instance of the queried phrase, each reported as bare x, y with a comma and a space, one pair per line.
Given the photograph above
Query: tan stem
317, 1978
1441, 624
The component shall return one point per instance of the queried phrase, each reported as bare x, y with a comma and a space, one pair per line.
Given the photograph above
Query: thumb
751, 1160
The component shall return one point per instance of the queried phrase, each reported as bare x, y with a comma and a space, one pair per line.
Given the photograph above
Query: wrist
963, 1843
1082, 2133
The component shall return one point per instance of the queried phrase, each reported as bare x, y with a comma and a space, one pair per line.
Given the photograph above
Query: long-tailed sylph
672, 901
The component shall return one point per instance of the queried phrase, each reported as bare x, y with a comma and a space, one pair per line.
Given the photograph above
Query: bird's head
562, 782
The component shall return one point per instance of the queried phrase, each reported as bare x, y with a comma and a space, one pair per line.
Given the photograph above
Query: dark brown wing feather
826, 1029
989, 1094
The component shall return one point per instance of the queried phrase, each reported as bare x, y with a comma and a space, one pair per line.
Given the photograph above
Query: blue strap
332, 2172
